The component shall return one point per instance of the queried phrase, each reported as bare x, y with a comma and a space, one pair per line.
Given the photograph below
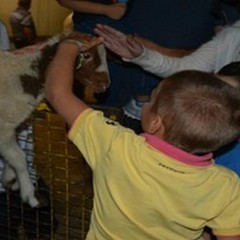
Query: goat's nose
101, 87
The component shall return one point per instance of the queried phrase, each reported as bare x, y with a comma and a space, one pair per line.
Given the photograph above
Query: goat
22, 75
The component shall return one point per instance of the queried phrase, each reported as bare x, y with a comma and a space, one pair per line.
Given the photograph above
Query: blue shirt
229, 157
174, 23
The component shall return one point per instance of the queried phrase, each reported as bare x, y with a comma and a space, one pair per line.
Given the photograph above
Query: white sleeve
203, 59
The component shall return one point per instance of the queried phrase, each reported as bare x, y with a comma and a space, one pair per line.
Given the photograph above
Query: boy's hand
119, 43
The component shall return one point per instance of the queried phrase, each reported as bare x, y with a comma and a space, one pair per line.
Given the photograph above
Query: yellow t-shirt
140, 193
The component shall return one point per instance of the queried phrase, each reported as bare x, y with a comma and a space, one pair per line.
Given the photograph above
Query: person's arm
152, 61
59, 81
173, 52
115, 11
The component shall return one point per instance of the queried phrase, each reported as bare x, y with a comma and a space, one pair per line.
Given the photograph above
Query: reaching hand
123, 45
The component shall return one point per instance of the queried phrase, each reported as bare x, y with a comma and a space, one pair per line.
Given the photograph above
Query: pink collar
176, 153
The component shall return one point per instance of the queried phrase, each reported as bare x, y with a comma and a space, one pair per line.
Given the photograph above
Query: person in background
4, 38
22, 24
87, 13
148, 186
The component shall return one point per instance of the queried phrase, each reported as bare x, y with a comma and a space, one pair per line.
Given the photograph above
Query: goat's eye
87, 56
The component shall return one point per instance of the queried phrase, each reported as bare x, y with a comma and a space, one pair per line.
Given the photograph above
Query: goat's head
91, 65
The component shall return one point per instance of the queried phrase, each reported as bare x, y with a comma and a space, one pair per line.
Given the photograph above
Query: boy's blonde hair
200, 113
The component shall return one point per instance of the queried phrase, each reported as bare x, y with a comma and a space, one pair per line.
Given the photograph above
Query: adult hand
121, 44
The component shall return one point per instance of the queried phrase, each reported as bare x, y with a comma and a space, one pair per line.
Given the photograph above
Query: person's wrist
73, 45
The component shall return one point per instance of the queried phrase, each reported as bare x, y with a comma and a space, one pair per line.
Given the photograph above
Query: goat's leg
9, 179
16, 158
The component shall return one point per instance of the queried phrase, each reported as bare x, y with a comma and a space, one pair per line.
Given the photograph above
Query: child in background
23, 27
162, 184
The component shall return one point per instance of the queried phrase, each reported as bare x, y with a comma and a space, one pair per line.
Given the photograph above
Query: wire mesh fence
63, 183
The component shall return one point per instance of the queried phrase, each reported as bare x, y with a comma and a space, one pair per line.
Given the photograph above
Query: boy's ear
156, 125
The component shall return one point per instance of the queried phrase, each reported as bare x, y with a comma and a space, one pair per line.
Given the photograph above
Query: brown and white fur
22, 88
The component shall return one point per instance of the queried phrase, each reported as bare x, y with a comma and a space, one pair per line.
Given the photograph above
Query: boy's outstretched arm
59, 80
123, 45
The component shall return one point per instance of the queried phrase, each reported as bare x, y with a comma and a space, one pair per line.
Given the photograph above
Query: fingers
109, 36
107, 31
131, 41
134, 46
119, 43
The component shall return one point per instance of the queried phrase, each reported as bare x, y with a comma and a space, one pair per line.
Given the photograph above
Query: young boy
162, 184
